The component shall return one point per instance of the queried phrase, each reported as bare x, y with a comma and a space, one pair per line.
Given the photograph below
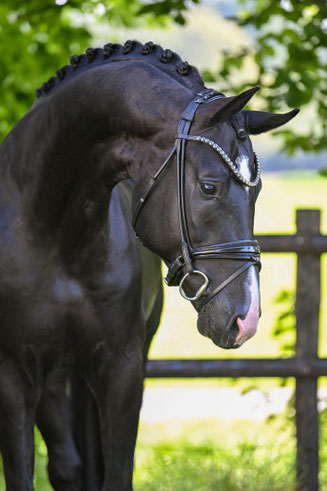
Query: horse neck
76, 144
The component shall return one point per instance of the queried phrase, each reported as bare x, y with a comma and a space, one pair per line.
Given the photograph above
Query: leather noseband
241, 250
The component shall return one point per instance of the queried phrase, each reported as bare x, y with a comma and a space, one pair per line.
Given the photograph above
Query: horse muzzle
230, 324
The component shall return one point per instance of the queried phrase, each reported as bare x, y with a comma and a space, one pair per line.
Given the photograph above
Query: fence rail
308, 243
236, 368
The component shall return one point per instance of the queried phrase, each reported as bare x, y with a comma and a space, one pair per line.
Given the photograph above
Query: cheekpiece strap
202, 97
187, 117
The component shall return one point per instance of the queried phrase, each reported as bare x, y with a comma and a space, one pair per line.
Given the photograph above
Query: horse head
200, 218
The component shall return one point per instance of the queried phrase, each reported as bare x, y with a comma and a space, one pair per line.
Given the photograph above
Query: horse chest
37, 310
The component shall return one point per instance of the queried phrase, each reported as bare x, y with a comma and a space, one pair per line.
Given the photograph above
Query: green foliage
290, 55
323, 171
290, 52
170, 8
284, 327
39, 36
35, 41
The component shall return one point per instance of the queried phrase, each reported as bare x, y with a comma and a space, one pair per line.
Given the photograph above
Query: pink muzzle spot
247, 329
248, 326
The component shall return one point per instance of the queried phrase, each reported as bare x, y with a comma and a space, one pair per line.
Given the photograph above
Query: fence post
307, 307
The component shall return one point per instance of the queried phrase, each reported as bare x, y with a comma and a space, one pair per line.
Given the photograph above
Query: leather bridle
241, 250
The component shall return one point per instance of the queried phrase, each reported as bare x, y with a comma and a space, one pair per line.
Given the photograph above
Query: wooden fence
309, 244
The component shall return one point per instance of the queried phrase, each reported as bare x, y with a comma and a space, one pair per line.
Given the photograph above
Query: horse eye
208, 188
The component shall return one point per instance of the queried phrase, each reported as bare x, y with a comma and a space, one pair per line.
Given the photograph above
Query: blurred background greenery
282, 46
279, 45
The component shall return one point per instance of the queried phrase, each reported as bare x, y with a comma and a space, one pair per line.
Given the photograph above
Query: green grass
210, 455
210, 467
41, 481
200, 457
213, 455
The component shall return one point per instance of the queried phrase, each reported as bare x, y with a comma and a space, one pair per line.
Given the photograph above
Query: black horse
73, 290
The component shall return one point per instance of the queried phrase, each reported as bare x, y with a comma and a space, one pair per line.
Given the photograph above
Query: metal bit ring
200, 291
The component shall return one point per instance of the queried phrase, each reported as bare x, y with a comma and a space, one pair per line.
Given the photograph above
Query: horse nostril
234, 331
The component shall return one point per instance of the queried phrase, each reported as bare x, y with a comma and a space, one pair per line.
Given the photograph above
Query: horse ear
258, 122
226, 106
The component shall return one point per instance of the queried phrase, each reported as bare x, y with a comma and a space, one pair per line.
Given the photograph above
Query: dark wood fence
309, 244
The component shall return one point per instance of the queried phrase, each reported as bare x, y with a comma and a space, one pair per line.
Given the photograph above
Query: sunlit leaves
290, 51
35, 41
39, 37
291, 57
173, 8
284, 328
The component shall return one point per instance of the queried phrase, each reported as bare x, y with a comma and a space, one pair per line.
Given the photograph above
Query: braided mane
166, 60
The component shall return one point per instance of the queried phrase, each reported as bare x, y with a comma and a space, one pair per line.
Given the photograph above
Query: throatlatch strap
149, 188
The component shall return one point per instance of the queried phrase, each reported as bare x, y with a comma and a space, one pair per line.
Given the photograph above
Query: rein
242, 250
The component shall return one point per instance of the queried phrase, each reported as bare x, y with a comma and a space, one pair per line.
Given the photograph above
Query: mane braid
166, 60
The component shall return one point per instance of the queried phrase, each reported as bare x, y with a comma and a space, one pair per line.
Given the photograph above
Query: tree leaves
291, 46
35, 41
284, 327
290, 52
39, 37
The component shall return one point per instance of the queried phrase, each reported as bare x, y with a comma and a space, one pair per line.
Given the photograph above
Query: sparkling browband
227, 160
